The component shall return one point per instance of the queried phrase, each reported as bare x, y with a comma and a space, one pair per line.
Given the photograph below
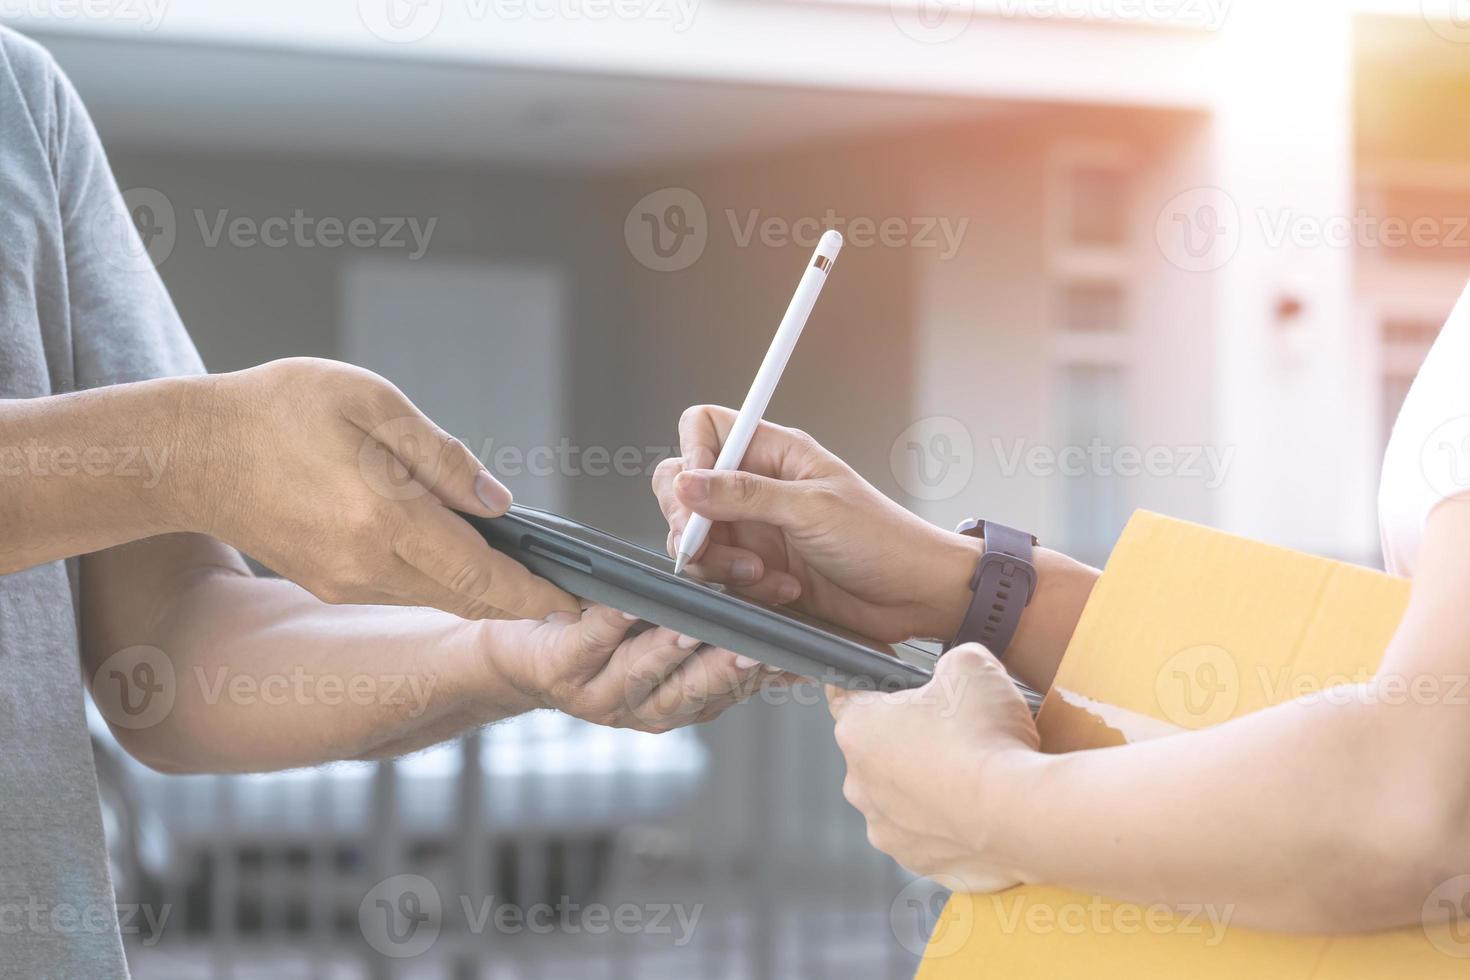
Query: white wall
1292, 398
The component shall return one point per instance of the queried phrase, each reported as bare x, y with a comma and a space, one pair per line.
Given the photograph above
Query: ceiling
206, 96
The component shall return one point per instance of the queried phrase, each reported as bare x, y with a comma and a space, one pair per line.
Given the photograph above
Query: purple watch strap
1004, 582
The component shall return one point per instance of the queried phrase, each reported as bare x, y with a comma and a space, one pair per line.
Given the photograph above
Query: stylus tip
680, 562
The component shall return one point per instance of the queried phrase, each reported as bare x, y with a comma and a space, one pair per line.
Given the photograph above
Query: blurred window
1094, 417
1091, 307
1098, 206
1089, 195
1421, 224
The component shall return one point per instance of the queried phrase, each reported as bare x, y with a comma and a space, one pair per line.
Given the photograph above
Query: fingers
725, 564
432, 457
774, 450
650, 660
602, 631
702, 431
743, 692
703, 684
443, 547
675, 513
843, 701
654, 681
744, 570
969, 658
737, 495
837, 700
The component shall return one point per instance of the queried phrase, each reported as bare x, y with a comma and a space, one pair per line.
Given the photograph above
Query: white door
479, 347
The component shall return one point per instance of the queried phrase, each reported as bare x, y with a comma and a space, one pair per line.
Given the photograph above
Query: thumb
973, 674
735, 495
967, 669
600, 632
968, 658
440, 463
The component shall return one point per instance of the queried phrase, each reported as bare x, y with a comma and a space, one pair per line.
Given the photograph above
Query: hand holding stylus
766, 379
798, 525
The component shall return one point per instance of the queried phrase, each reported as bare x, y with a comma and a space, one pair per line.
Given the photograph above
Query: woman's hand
589, 667
797, 525
928, 767
327, 474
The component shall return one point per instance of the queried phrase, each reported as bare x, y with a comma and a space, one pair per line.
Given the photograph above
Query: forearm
1062, 588
264, 676
1319, 816
93, 469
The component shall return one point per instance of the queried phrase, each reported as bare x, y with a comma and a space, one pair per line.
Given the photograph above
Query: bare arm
89, 470
1321, 815
256, 674
1327, 814
322, 471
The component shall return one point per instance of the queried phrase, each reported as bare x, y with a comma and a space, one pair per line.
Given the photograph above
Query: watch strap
1003, 583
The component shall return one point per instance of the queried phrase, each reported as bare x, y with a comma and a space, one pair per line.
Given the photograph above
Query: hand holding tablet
766, 379
801, 535
605, 569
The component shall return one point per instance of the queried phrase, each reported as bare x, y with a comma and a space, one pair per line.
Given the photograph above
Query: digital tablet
603, 568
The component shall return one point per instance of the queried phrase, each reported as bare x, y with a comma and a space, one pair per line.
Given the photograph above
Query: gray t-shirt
80, 307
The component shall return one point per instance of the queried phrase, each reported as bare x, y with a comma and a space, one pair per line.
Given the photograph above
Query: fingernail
631, 617
696, 485
745, 663
788, 592
744, 569
686, 642
492, 493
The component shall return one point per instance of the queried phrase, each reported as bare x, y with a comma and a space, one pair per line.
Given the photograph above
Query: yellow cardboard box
1190, 627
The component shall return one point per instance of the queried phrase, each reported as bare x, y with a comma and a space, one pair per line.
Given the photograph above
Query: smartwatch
1003, 583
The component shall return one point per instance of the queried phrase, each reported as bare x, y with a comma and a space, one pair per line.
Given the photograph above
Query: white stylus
766, 379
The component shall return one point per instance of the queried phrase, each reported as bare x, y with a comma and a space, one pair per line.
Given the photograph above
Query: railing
543, 849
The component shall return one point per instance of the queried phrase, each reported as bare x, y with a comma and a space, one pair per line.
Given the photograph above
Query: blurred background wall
1096, 261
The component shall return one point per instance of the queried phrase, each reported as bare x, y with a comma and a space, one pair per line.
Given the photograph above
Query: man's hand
796, 524
928, 809
327, 474
589, 667
253, 674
